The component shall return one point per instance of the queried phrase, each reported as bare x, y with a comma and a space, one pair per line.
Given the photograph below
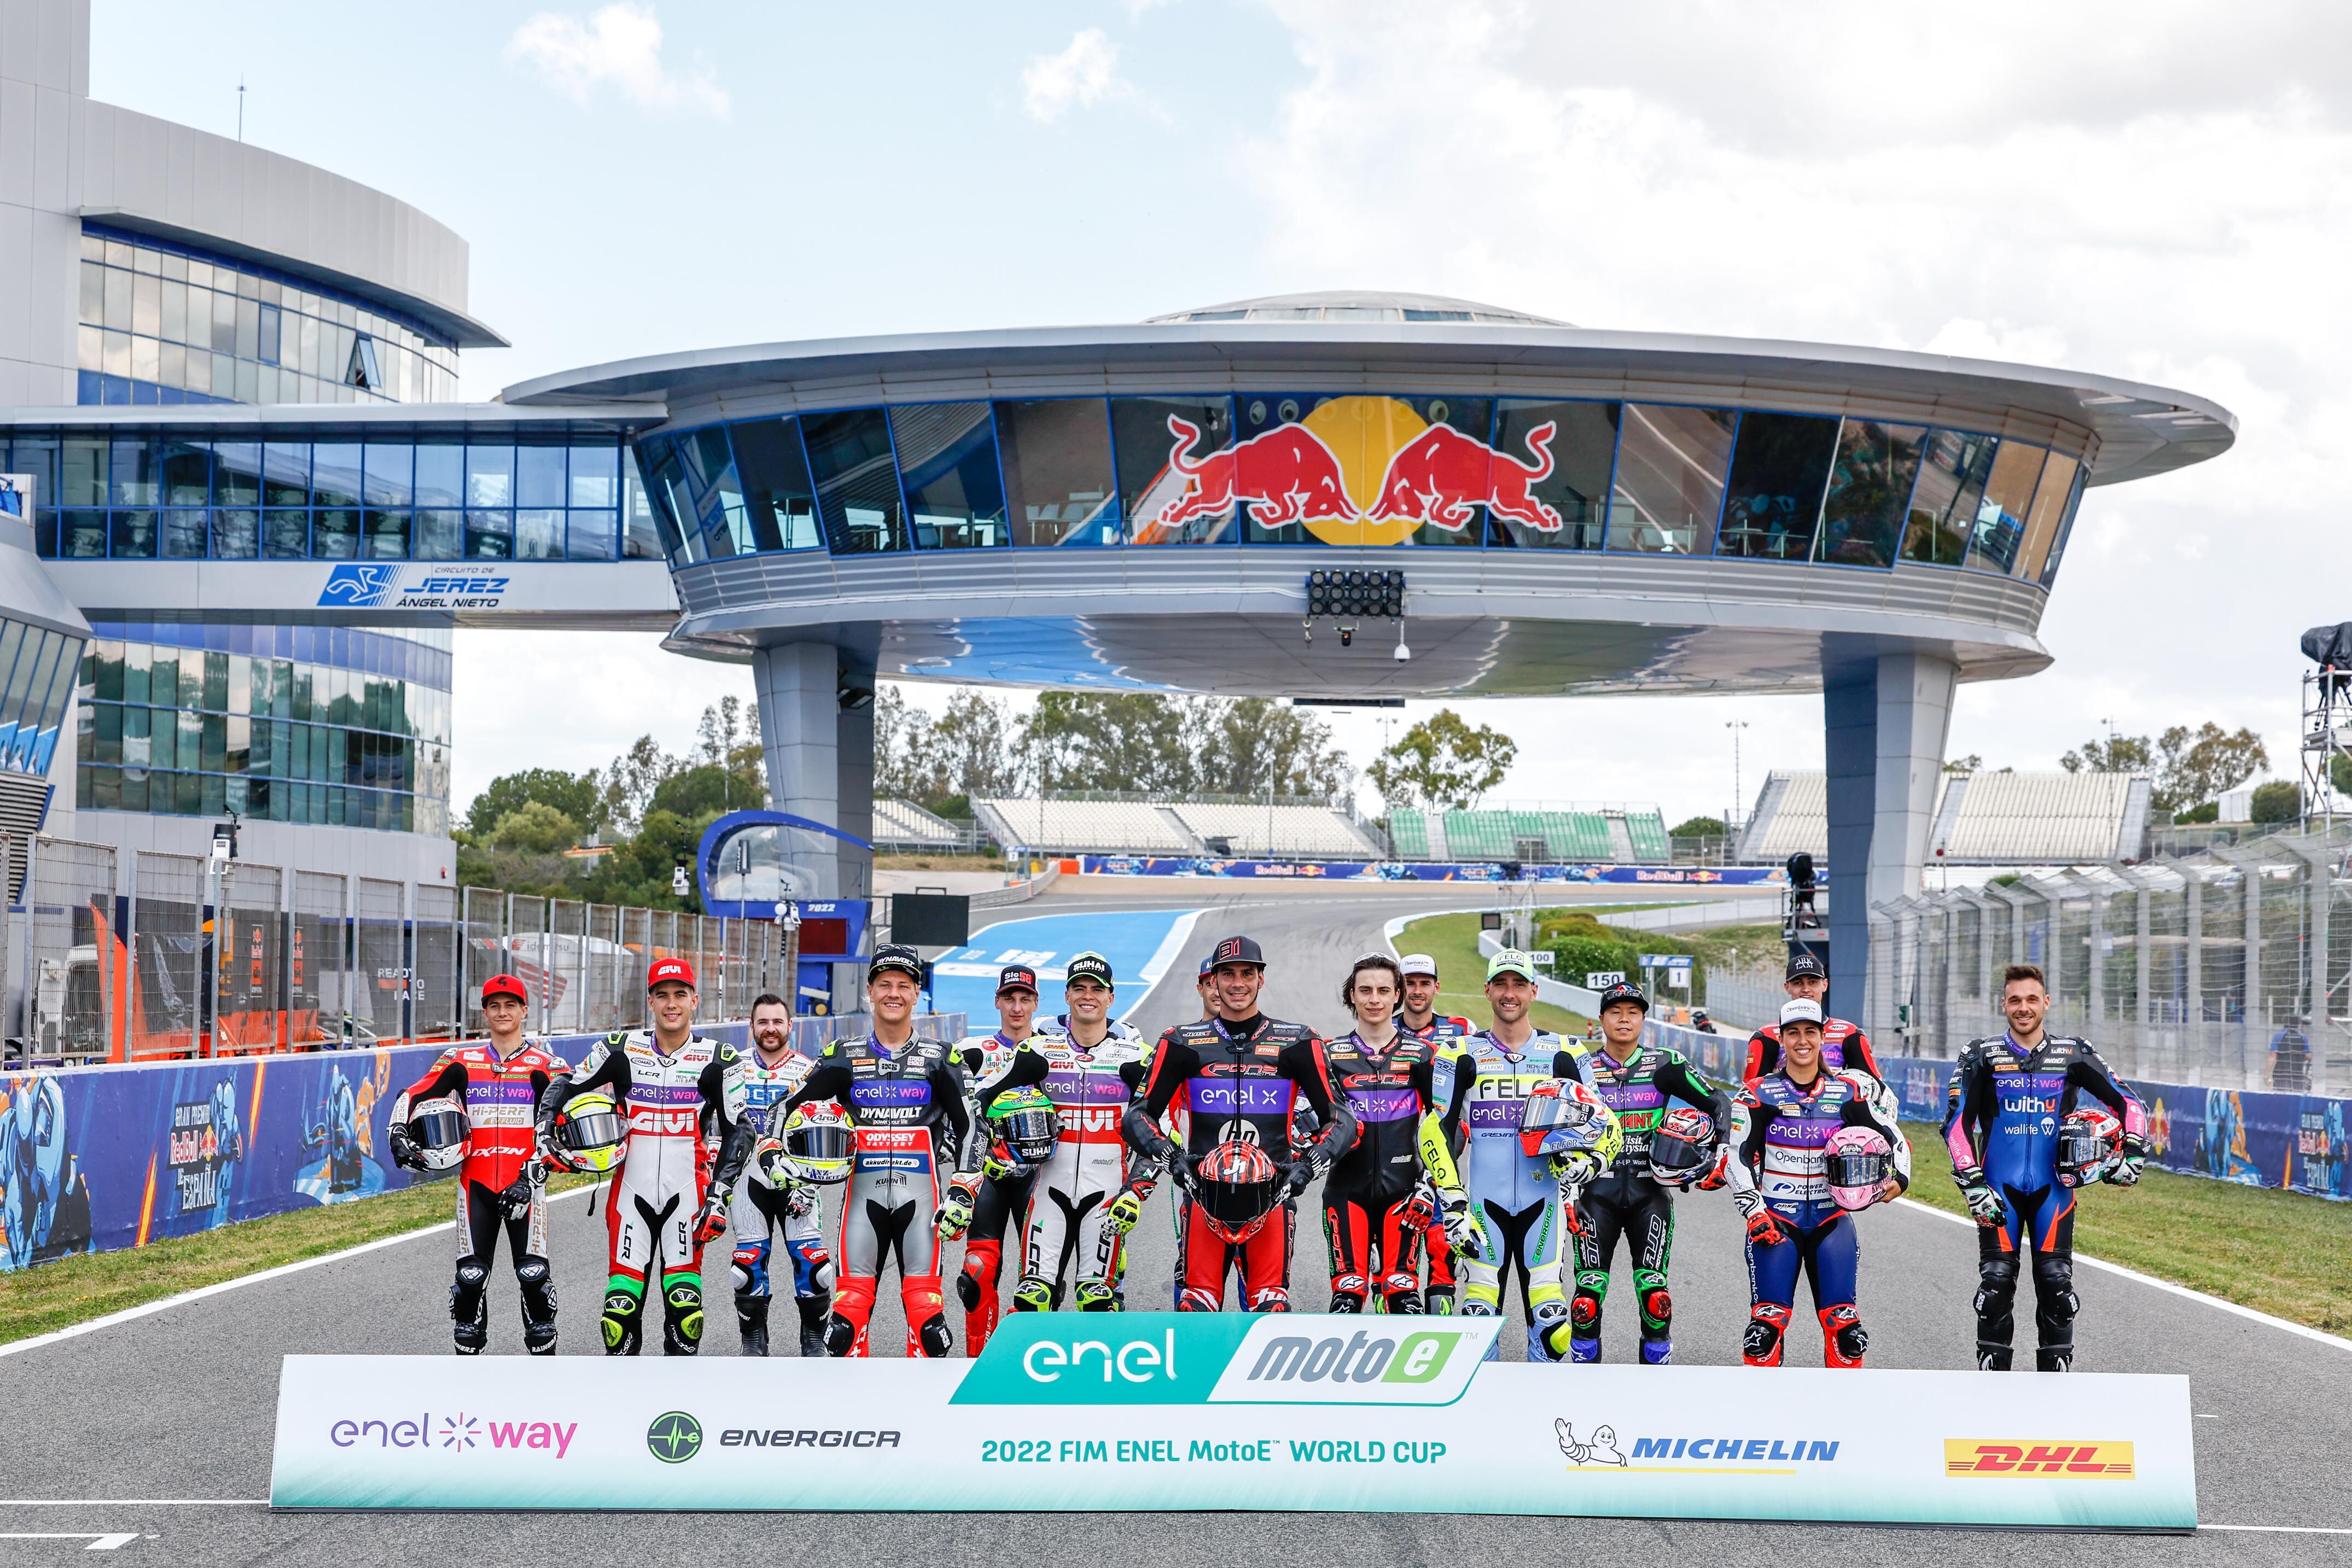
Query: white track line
2168, 1287
113, 1541
134, 1502
128, 1314
2281, 1529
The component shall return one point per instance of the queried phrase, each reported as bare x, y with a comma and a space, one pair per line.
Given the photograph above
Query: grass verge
90, 1285
1453, 941
2285, 1253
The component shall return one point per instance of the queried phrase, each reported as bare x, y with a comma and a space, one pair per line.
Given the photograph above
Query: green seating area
1496, 835
1409, 834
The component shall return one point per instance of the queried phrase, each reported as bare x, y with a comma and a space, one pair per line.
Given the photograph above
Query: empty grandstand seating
903, 823
1298, 832
1981, 818
1601, 835
1084, 827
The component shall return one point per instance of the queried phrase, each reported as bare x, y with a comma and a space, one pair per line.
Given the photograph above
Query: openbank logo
379, 587
1184, 1358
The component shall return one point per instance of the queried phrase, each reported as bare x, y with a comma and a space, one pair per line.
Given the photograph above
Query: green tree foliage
534, 827
2280, 801
2189, 765
1442, 763
2116, 754
574, 795
707, 790
1701, 828
1972, 763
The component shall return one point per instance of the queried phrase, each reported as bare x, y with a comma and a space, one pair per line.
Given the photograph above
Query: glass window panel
641, 537
2074, 506
174, 371
81, 536
285, 535
596, 476
673, 502
440, 534
249, 329
539, 475
239, 739
593, 536
387, 536
1668, 493
215, 667
237, 696
391, 478
108, 727
440, 475
89, 349
1870, 487
490, 536
237, 533
93, 294
146, 362
779, 501
856, 481
215, 742
147, 306
132, 535
286, 474
335, 534
107, 660
185, 473
490, 474
133, 469
1565, 507
134, 790
137, 661
184, 533
1780, 470
118, 300
1944, 503
224, 339
1161, 502
36, 663
1262, 442
539, 535
720, 514
947, 460
268, 354
1060, 487
335, 474
1470, 416
237, 473
114, 354
2000, 529
84, 462
174, 326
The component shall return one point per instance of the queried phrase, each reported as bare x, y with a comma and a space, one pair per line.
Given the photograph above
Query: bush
536, 828
1576, 956
2210, 811
2280, 801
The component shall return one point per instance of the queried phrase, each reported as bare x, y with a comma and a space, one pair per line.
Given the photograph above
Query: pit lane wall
2256, 1138
1199, 1411
93, 1159
1419, 871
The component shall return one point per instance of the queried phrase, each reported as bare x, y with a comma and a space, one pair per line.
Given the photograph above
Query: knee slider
1585, 1311
1842, 1325
745, 1283
1996, 1285
1657, 1307
1761, 1340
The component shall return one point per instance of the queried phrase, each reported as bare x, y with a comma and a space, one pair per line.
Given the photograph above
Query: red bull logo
1356, 471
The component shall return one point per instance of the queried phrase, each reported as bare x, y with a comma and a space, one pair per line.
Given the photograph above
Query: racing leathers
985, 1059
762, 1208
1237, 1082
1375, 1210
2001, 1118
1069, 1223
1470, 1144
497, 1181
1844, 1046
1439, 1297
907, 1114
1624, 1202
686, 1144
1780, 1181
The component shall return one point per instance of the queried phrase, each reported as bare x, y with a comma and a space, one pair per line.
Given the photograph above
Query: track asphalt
180, 1405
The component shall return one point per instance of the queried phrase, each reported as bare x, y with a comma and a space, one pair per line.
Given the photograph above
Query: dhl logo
2021, 1460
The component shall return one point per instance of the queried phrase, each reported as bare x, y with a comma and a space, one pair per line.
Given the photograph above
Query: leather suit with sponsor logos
1372, 1226
1844, 1046
907, 1113
1625, 1202
1237, 1082
2001, 1116
761, 1210
687, 1140
1779, 1162
496, 1184
1439, 1296
1478, 1087
985, 1059
1065, 1227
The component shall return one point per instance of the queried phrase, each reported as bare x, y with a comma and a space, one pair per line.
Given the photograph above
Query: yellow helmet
591, 1132
817, 1143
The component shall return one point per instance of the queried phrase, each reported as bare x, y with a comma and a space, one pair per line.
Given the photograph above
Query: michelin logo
386, 587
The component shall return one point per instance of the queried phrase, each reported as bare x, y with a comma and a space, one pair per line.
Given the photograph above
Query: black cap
1237, 950
1807, 964
1016, 977
1624, 991
896, 956
1088, 966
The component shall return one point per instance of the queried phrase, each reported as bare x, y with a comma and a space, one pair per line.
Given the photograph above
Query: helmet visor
1859, 1168
443, 1127
594, 1129
1030, 1132
1557, 1125
818, 1144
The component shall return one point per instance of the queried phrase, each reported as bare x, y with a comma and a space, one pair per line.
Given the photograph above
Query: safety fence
2229, 968
97, 1158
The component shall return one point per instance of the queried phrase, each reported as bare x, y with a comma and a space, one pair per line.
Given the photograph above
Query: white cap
1800, 1011
1418, 964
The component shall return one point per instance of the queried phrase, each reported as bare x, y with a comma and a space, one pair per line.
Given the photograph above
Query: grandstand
903, 825
1244, 830
1981, 820
1613, 835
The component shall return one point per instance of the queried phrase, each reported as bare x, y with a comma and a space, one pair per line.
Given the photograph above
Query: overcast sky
2153, 190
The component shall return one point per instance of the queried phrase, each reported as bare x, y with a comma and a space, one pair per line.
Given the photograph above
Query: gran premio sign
1301, 1412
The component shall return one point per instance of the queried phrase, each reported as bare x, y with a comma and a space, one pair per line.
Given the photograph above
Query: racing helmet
816, 1143
1682, 1146
1025, 1121
1561, 1116
592, 1132
1858, 1161
2090, 1143
1239, 1190
440, 1129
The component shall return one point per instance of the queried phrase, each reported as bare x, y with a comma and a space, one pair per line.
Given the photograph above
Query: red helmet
1240, 1190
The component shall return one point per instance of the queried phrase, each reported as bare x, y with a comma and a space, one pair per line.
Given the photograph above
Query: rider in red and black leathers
1843, 1045
1230, 1080
1371, 1217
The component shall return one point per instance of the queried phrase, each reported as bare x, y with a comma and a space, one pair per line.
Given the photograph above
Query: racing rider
763, 1205
905, 1099
1419, 1016
1636, 1081
499, 1180
2009, 1097
682, 1094
1781, 1125
1376, 1205
985, 1059
1843, 1044
1235, 1078
1083, 1202
1503, 1207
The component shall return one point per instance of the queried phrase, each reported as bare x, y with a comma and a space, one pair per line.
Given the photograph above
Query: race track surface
181, 1404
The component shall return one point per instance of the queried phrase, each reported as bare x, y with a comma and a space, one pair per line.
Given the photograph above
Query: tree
707, 790
1256, 745
624, 789
2280, 801
1442, 763
1106, 740
574, 795
904, 766
2116, 754
2200, 765
1972, 763
536, 828
974, 744
1702, 827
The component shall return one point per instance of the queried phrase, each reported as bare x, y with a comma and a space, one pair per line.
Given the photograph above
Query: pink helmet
1859, 1160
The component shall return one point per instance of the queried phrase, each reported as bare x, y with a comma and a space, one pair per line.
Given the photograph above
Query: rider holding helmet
986, 1059
1502, 1205
2021, 1141
1791, 1181
683, 1096
491, 1142
1637, 1081
1232, 1081
783, 1191
1375, 1206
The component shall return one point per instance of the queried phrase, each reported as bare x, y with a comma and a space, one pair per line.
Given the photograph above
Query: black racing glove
405, 1151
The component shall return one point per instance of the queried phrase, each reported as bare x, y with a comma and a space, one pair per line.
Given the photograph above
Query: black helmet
1682, 1146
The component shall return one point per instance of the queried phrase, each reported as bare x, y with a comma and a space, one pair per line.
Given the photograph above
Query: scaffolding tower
2326, 747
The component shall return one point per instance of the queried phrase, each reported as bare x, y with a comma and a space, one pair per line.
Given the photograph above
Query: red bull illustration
1443, 475
1287, 475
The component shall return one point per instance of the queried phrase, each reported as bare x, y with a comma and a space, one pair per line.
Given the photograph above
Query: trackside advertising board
1163, 1411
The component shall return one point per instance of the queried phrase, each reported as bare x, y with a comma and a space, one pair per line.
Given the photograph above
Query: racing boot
469, 1307
1761, 1347
751, 1323
1031, 1295
815, 1310
538, 1284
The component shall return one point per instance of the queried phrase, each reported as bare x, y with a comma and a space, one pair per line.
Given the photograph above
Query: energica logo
674, 1438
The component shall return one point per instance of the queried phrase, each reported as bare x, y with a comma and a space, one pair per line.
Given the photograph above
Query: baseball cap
1807, 964
506, 985
1797, 1010
1208, 964
1417, 964
1511, 961
1090, 966
664, 969
904, 959
1013, 977
1237, 950
1624, 991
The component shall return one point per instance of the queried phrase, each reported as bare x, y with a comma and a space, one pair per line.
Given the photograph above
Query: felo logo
2024, 1459
674, 1438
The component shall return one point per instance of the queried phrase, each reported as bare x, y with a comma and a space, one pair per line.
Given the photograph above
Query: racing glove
955, 1211
1574, 1172
404, 1152
1763, 1225
1463, 1231
801, 1201
1421, 1209
1313, 1161
712, 1222
1718, 1173
518, 1194
1983, 1203
768, 1163
2127, 1168
1181, 1172
1123, 1212
999, 1165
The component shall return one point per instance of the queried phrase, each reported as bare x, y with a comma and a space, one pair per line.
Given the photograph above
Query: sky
2137, 189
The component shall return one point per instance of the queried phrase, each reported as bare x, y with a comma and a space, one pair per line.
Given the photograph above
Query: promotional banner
1421, 871
1184, 1411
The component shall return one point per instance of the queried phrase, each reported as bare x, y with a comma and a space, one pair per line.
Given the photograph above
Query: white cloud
1078, 77
619, 45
